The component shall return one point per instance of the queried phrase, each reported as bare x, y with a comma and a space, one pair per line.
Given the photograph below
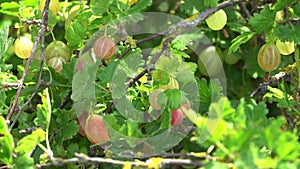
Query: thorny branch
40, 37
80, 158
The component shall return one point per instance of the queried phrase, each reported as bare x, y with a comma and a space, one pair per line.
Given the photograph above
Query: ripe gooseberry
104, 47
23, 47
217, 21
81, 121
178, 115
95, 130
268, 57
285, 48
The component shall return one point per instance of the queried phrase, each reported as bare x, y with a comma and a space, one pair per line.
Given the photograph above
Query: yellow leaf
154, 163
127, 165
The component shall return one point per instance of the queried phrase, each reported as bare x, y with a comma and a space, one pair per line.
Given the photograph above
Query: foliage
237, 116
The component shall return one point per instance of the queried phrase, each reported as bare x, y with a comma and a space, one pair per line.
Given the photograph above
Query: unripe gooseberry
56, 63
217, 21
95, 130
23, 47
57, 49
268, 57
104, 47
54, 6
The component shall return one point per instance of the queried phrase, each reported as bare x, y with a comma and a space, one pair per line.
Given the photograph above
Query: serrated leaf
107, 72
29, 142
139, 6
6, 142
174, 98
75, 34
170, 65
297, 9
161, 76
43, 110
211, 3
69, 130
186, 72
5, 41
83, 86
100, 7
209, 92
24, 162
263, 21
286, 33
68, 69
241, 39
182, 41
281, 4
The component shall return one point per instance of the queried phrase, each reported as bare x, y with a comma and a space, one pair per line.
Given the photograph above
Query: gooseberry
178, 115
268, 57
56, 63
81, 120
23, 47
95, 130
57, 49
104, 47
217, 21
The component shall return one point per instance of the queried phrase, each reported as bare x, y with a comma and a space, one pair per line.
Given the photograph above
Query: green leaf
263, 21
100, 7
75, 34
5, 41
43, 110
170, 65
139, 6
211, 3
288, 33
281, 4
69, 130
27, 144
161, 76
241, 39
107, 72
297, 9
83, 86
174, 98
182, 41
24, 162
209, 92
6, 143
68, 69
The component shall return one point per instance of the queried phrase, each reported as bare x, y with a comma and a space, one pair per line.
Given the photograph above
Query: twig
244, 10
66, 100
39, 37
81, 158
262, 88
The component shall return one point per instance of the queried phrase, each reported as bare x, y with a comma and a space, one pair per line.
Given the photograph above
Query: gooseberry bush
149, 84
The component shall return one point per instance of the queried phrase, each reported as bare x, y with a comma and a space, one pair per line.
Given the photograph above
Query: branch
39, 37
262, 87
83, 159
